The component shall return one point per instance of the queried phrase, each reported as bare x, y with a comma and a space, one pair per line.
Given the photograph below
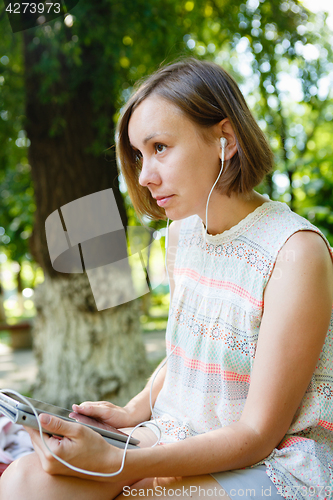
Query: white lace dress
209, 373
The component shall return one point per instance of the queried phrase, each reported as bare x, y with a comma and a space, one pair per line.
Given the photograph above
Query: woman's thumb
55, 425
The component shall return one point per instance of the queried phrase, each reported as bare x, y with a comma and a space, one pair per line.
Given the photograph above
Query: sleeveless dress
219, 316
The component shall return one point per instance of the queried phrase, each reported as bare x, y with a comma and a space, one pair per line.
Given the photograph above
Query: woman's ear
226, 131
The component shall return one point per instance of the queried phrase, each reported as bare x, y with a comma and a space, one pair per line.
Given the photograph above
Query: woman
249, 380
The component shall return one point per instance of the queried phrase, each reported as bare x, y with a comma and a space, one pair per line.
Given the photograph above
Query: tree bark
83, 354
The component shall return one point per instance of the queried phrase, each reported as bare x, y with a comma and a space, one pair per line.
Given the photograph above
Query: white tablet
19, 413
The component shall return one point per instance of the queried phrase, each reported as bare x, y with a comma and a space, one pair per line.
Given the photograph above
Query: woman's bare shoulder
306, 248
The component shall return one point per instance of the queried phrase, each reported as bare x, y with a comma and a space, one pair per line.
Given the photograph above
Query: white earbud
223, 142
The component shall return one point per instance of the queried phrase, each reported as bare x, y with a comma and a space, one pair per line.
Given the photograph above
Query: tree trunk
82, 353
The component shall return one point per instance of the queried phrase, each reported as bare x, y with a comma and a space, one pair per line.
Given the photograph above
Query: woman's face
179, 167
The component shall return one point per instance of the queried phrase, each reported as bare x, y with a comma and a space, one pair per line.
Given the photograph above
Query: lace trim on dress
243, 225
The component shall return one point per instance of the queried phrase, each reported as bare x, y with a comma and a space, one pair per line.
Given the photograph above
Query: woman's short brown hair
206, 94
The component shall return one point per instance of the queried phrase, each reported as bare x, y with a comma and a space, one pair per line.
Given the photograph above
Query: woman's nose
148, 174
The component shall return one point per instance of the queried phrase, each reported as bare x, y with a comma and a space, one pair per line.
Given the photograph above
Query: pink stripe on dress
211, 368
219, 285
326, 425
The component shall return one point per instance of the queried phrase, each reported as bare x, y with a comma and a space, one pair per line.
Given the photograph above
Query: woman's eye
159, 148
137, 156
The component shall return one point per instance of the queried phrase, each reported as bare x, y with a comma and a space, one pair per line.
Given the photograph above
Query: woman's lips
163, 201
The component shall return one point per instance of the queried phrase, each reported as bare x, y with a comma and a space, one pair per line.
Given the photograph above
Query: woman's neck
225, 213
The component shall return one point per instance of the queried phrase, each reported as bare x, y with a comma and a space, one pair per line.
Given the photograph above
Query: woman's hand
107, 413
80, 446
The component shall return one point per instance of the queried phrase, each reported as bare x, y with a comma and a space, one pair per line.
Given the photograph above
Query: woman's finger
92, 410
60, 427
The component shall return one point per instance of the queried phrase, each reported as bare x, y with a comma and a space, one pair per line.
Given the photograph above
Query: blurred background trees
61, 88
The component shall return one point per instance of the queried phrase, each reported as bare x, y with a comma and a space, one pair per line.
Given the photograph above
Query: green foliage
278, 52
16, 209
16, 194
105, 47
